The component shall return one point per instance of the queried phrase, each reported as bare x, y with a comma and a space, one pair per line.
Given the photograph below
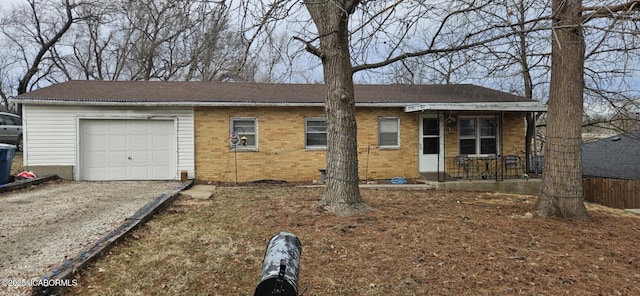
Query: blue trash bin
7, 152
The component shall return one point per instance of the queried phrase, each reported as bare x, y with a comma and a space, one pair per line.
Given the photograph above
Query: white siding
51, 132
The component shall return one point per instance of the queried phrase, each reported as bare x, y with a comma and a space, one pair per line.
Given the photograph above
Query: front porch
506, 174
475, 142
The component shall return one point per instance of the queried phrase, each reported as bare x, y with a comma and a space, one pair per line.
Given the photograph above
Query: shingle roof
614, 157
226, 92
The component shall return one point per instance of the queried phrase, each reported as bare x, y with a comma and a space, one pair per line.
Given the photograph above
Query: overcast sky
7, 3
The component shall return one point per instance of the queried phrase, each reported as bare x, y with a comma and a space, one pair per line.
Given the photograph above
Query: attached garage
121, 149
84, 140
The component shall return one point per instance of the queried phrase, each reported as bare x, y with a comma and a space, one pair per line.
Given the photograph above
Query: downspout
440, 131
499, 118
535, 144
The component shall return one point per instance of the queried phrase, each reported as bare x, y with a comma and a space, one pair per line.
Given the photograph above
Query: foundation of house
515, 186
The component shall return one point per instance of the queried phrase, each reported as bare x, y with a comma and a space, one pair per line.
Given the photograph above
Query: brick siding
281, 153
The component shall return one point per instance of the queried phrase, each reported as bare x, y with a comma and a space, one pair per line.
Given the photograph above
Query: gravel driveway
42, 226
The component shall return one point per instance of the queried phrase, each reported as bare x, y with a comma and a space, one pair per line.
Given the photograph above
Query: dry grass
416, 243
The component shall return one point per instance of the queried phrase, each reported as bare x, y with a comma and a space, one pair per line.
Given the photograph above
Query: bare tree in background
33, 30
160, 40
54, 41
443, 68
612, 41
521, 63
5, 80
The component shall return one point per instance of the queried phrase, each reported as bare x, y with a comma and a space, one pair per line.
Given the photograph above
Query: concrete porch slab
514, 186
203, 192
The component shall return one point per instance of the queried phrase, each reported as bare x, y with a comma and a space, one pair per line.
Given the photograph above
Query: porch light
451, 123
243, 139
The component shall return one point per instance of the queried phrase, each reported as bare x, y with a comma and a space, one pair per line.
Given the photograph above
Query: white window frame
478, 134
306, 132
239, 146
380, 145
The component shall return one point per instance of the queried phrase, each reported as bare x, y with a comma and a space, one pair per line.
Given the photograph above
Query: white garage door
127, 150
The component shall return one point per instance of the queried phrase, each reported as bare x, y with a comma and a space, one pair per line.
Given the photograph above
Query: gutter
479, 106
61, 102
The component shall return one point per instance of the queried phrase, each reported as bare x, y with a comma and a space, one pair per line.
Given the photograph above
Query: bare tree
561, 189
6, 87
611, 64
157, 40
561, 194
522, 60
34, 31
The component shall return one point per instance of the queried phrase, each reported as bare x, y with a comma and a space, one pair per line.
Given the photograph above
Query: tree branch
430, 51
610, 11
310, 47
350, 5
45, 46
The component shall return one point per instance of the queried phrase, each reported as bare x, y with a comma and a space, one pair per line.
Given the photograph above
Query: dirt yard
418, 242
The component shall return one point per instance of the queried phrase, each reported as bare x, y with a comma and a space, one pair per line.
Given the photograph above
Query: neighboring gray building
616, 157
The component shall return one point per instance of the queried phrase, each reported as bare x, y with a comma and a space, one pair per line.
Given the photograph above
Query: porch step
203, 192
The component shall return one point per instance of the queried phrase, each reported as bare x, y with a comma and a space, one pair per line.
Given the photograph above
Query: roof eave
479, 106
62, 102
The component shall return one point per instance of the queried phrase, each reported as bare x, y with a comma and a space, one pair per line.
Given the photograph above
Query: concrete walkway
635, 211
203, 192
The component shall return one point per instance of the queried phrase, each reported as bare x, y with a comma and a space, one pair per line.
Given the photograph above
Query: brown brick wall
281, 153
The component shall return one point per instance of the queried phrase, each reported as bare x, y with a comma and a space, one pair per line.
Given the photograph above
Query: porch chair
513, 164
463, 166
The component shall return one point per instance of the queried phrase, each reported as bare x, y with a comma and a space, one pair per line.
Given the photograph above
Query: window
388, 132
246, 131
315, 133
430, 135
10, 120
478, 135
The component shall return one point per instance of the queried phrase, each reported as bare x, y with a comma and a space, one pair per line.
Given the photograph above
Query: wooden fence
613, 193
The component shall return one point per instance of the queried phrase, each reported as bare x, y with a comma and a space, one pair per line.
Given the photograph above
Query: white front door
122, 149
431, 154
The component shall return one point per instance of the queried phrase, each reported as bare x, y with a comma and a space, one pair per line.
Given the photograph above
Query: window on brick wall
315, 133
388, 132
478, 135
246, 131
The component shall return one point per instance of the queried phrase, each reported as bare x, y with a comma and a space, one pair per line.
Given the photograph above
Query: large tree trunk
342, 194
561, 192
